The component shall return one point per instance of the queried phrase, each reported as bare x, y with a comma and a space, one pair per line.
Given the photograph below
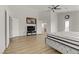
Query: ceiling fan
54, 7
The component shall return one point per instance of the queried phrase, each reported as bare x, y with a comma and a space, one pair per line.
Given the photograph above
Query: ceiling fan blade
50, 8
57, 6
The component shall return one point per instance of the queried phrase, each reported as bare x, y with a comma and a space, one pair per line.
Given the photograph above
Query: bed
64, 42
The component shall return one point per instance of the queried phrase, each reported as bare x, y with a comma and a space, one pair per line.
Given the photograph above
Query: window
66, 26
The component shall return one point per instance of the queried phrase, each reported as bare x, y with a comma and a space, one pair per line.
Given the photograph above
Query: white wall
21, 12
61, 21
39, 26
15, 27
51, 19
53, 22
74, 21
2, 28
44, 16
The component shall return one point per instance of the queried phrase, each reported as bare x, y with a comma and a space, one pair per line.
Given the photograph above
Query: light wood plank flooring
29, 45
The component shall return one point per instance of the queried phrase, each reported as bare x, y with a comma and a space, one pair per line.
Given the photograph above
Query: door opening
66, 26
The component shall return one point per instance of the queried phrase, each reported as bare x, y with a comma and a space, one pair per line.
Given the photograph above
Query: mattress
68, 38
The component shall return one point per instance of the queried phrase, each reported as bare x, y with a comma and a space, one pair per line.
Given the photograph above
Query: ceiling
64, 8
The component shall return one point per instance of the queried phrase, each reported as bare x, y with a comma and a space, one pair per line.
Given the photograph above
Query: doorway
44, 26
67, 26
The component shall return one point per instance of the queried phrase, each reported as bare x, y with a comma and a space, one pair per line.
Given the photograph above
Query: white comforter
71, 37
74, 36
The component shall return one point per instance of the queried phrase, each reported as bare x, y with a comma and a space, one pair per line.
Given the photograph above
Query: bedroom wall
51, 19
4, 36
61, 21
45, 17
2, 29
54, 22
21, 12
15, 27
74, 21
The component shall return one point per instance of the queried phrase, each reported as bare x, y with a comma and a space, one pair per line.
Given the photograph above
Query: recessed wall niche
30, 20
31, 26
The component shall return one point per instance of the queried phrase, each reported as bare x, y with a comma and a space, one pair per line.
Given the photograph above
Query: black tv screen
30, 28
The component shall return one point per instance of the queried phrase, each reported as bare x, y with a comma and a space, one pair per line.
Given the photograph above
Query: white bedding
74, 36
68, 38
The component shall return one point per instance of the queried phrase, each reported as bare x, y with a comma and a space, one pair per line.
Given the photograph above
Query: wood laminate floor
29, 45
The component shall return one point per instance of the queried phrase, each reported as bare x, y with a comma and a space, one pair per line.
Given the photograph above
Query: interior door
15, 27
